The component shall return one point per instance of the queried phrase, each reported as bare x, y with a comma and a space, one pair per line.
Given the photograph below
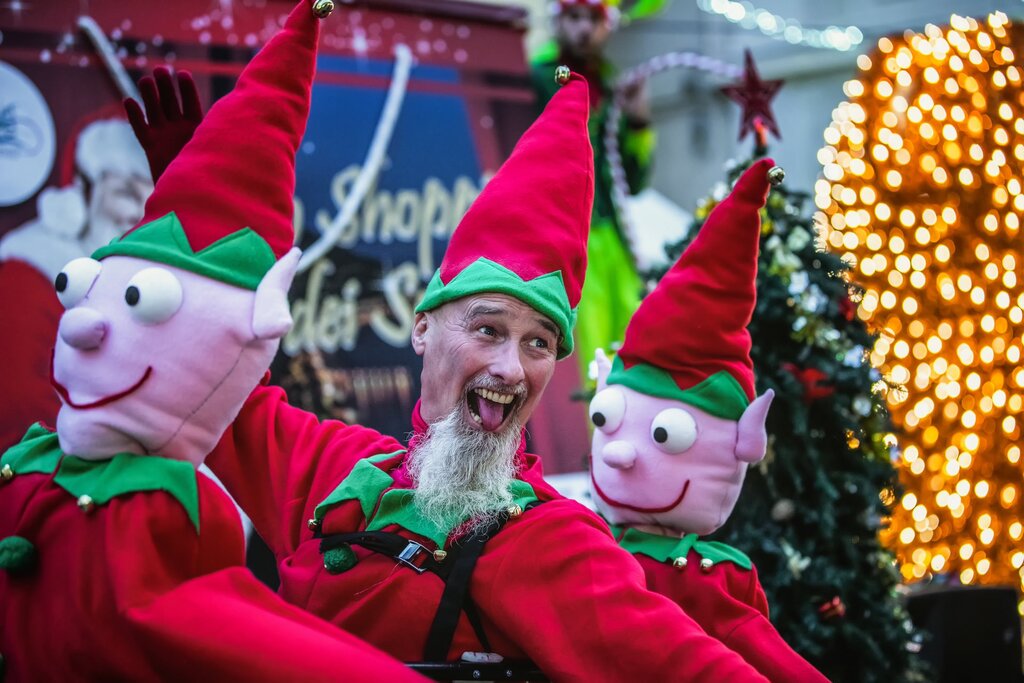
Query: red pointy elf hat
688, 340
526, 234
223, 208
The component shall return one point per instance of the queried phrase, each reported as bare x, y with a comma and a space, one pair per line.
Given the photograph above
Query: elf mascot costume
677, 424
118, 561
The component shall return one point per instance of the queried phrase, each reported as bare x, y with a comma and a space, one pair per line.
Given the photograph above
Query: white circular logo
27, 138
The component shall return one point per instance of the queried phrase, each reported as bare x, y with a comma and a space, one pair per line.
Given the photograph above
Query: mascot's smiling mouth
636, 508
66, 397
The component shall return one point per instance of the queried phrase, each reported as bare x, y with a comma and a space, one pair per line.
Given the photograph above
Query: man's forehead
494, 304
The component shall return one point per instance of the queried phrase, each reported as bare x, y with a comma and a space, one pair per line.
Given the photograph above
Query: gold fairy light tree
922, 194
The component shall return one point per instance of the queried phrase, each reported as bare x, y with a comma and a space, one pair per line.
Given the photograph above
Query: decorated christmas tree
810, 513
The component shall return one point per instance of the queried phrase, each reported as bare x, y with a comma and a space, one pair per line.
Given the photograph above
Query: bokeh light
922, 193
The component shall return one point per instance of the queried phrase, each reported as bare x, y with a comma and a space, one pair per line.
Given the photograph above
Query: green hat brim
241, 258
720, 394
545, 294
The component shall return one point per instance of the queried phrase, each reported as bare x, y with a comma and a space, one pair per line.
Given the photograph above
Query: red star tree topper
755, 96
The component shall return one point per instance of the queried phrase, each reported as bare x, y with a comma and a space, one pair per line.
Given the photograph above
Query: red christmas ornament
832, 609
755, 96
812, 380
847, 308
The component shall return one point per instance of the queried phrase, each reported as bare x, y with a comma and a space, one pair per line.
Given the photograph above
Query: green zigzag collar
103, 480
545, 293
668, 549
383, 506
719, 395
241, 258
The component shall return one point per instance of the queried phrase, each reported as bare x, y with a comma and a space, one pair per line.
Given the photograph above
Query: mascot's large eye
673, 430
75, 281
153, 295
607, 409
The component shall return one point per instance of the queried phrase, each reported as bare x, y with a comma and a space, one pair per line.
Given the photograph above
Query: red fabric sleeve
193, 618
279, 462
761, 645
578, 606
755, 594
228, 626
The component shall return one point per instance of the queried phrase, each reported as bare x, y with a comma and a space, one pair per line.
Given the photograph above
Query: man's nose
507, 364
619, 455
83, 328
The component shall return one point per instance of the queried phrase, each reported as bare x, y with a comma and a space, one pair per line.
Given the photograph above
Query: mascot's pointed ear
604, 366
271, 317
752, 439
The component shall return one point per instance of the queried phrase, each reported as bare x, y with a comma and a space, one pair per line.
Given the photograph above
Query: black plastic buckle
411, 551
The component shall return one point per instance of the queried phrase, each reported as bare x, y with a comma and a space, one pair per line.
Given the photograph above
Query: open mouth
636, 508
66, 397
492, 409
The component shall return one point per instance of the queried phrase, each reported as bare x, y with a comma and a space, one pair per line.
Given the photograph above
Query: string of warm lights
781, 28
922, 192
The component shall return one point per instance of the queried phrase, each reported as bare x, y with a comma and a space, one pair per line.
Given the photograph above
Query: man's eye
540, 343
488, 330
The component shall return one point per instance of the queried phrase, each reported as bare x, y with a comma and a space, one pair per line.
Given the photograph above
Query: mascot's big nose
83, 328
619, 454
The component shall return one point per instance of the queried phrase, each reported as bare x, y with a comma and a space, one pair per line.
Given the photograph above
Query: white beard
463, 472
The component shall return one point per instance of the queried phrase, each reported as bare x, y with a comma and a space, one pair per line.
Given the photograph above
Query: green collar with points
383, 505
669, 548
103, 480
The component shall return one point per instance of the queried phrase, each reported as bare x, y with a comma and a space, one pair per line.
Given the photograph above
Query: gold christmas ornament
562, 74
776, 175
323, 8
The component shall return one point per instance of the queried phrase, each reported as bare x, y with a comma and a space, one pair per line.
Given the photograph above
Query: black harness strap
456, 590
409, 553
455, 570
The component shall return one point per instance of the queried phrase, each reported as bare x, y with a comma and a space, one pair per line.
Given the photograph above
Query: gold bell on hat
313, 523
776, 175
706, 565
323, 8
439, 555
679, 563
7, 473
85, 503
562, 74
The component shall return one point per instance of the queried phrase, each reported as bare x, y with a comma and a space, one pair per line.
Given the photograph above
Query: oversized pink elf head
171, 326
676, 418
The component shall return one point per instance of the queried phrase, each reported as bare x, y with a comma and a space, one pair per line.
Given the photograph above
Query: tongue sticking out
491, 414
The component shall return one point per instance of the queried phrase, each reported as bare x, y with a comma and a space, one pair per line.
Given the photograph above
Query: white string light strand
655, 65
781, 28
374, 160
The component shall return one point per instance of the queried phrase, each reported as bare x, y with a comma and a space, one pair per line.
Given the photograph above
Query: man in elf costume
613, 287
118, 561
455, 546
677, 424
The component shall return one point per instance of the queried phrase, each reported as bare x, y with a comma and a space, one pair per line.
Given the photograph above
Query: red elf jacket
717, 585
552, 586
131, 569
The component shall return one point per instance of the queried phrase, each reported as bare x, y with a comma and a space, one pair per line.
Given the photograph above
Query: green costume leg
610, 295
